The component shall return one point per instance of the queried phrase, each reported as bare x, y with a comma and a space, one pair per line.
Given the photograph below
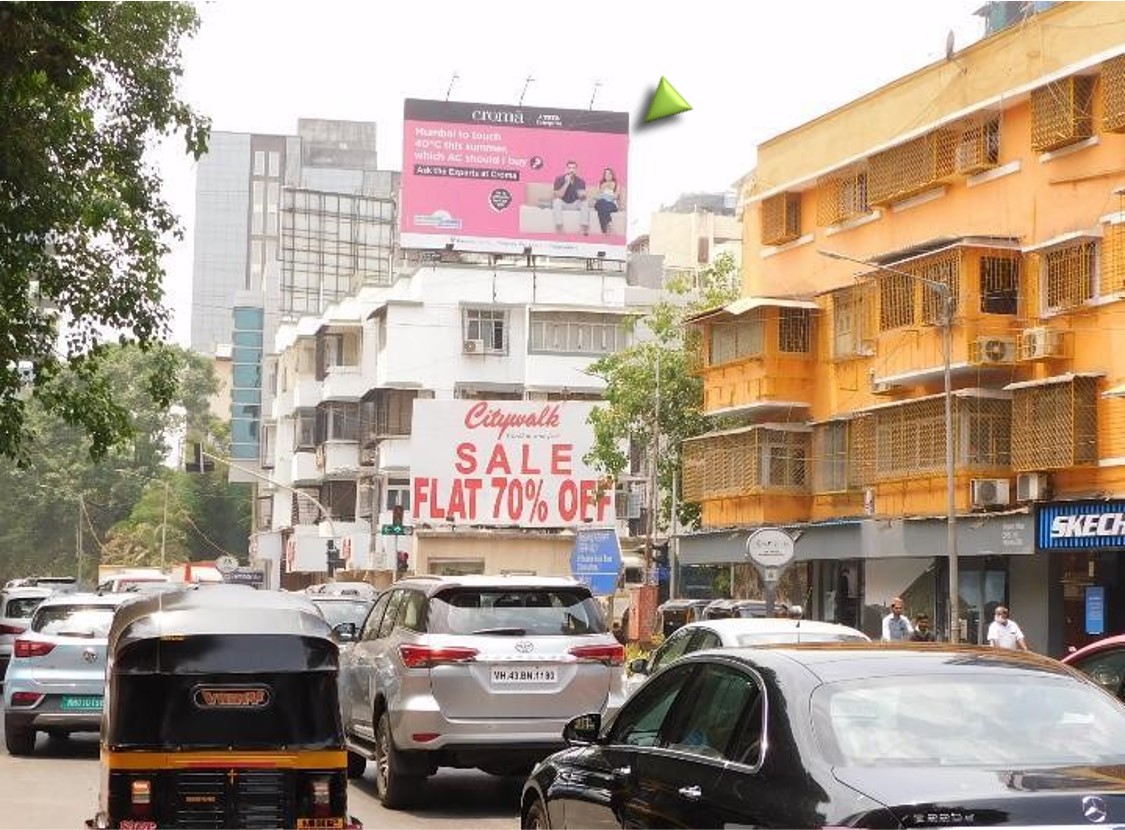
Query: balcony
303, 468
338, 458
307, 393
345, 384
392, 452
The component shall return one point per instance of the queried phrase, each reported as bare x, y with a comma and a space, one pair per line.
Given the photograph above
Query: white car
733, 632
16, 608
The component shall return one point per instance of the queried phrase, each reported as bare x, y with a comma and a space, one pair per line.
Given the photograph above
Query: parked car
1104, 661
126, 579
856, 735
473, 671
16, 608
732, 632
342, 608
56, 680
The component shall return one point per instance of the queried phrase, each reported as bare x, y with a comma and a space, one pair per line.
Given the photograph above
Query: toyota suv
472, 671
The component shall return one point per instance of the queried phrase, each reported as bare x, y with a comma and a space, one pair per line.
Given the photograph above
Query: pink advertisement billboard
502, 179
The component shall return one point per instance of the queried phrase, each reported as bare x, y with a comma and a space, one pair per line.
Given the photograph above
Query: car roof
216, 609
1103, 644
833, 662
27, 591
83, 598
432, 584
754, 625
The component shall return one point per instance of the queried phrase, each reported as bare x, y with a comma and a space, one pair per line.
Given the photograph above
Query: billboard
505, 463
502, 179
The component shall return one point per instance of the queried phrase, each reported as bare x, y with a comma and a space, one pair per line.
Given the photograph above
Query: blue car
56, 679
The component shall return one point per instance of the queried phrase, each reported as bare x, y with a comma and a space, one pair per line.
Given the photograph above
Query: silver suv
473, 671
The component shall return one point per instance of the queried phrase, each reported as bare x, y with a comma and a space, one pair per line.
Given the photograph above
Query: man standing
895, 625
922, 633
1004, 632
570, 194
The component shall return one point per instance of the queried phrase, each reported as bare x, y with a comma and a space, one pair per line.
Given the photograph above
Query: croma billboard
500, 179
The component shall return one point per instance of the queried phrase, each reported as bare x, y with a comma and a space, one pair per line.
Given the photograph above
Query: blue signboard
1095, 609
597, 559
1080, 525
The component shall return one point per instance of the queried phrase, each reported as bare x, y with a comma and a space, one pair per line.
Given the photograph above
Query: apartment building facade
997, 175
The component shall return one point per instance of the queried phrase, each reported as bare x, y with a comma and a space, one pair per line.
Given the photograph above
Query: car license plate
137, 824
524, 674
85, 703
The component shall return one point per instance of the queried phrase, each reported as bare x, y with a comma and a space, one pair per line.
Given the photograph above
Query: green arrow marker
665, 102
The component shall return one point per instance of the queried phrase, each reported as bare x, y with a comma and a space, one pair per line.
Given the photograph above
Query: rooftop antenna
594, 94
452, 81
526, 84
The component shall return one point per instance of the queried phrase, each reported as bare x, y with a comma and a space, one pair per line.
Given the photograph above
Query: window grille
745, 463
911, 167
1061, 113
986, 431
737, 340
1113, 94
793, 327
978, 146
1055, 425
1113, 260
1068, 275
781, 218
339, 498
898, 292
910, 440
841, 196
830, 454
576, 333
999, 284
896, 300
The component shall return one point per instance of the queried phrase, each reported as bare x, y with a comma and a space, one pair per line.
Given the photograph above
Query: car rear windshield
21, 607
999, 718
796, 636
73, 620
523, 611
338, 611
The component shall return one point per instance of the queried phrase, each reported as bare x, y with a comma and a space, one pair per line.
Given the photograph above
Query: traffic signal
396, 520
335, 560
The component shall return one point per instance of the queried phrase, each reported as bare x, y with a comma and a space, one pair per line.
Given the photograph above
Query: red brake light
426, 657
26, 698
321, 798
31, 648
611, 655
12, 629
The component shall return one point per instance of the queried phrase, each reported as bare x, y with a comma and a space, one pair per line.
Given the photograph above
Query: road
58, 787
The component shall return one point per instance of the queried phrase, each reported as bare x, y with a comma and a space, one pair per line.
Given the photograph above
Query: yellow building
999, 174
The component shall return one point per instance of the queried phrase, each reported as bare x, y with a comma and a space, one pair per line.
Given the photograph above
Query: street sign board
394, 530
226, 564
596, 559
245, 576
770, 547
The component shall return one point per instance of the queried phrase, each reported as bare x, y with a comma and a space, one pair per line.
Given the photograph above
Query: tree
84, 90
660, 364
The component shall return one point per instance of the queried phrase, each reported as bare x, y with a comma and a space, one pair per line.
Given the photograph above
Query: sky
749, 71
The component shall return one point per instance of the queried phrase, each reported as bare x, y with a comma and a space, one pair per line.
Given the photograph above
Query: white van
122, 581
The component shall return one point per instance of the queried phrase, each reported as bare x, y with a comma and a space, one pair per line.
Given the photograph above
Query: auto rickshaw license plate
320, 823
84, 702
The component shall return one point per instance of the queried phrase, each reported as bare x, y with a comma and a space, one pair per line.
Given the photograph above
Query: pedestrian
895, 625
922, 633
1004, 632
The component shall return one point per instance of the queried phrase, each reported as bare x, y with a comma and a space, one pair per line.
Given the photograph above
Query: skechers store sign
1067, 526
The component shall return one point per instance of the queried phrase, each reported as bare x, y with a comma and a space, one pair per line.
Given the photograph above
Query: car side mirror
583, 730
638, 666
345, 632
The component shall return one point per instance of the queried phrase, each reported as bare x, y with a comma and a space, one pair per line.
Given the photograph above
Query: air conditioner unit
990, 492
473, 347
993, 350
1032, 486
1041, 342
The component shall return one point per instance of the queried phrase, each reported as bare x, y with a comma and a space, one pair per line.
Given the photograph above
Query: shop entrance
1080, 573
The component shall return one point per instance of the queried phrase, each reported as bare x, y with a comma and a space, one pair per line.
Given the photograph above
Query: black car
864, 735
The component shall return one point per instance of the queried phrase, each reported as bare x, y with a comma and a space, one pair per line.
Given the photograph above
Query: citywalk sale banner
505, 463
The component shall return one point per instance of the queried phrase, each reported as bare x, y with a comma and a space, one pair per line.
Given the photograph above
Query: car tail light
425, 737
12, 629
140, 797
426, 657
26, 698
31, 648
321, 797
611, 655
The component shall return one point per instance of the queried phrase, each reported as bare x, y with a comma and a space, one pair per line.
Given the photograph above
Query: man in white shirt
1004, 632
895, 626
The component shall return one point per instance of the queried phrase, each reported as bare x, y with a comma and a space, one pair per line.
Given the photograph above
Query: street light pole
946, 322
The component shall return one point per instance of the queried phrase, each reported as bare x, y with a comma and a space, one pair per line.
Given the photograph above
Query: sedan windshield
971, 720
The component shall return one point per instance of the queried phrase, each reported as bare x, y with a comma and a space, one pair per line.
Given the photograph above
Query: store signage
1081, 525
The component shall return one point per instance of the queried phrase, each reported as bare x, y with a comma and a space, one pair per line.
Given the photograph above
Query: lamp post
946, 322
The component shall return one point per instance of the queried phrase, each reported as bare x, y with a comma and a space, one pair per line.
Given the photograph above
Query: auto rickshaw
221, 711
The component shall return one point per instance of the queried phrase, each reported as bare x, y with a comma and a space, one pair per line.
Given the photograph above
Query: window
304, 429
275, 164
640, 719
1068, 275
390, 618
675, 647
793, 330
987, 436
259, 163
999, 285
723, 700
338, 422
375, 617
783, 465
830, 443
703, 252
896, 300
489, 325
847, 329
781, 218
733, 341
398, 494
576, 333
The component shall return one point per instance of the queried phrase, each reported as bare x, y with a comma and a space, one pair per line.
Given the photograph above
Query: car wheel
357, 765
536, 817
18, 741
395, 789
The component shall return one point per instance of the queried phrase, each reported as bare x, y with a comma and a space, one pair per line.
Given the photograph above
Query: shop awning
745, 304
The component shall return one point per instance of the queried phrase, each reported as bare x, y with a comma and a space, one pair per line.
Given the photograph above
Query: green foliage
660, 363
85, 89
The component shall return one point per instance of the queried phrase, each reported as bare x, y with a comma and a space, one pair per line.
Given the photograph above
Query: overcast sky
749, 71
